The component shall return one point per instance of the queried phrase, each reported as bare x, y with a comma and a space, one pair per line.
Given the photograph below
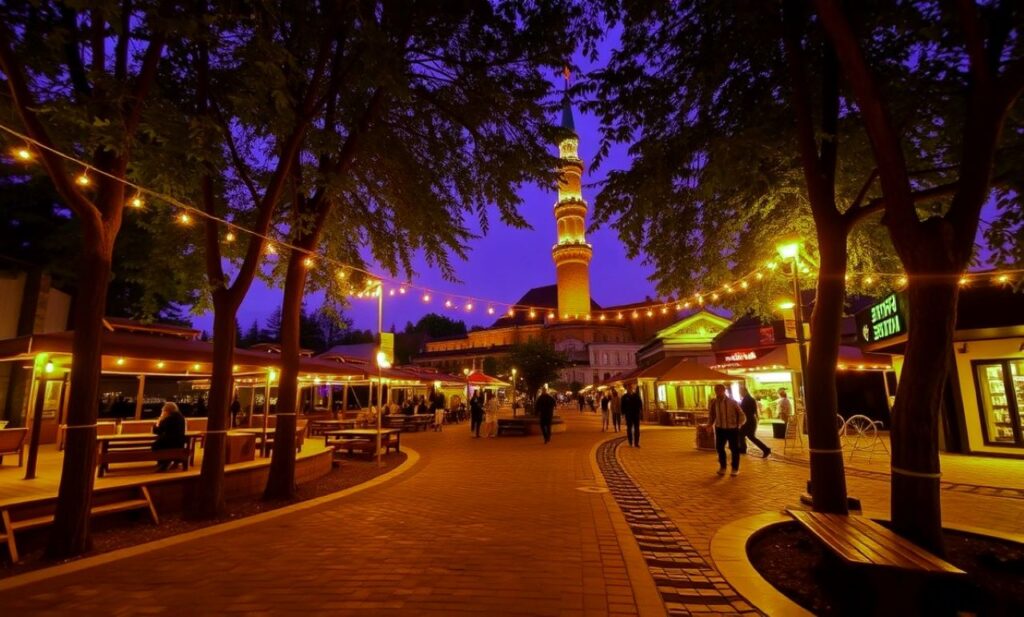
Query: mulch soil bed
795, 563
110, 533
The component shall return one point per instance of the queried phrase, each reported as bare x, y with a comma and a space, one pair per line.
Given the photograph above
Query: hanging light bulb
83, 179
533, 313
1003, 278
902, 281
184, 218
635, 315
964, 281
619, 316
447, 303
22, 154
551, 314
229, 237
308, 262
490, 310
469, 306
650, 313
511, 312
744, 284
758, 276
728, 289
271, 249
686, 305
664, 310
603, 316
714, 297
401, 290
868, 280
391, 292
700, 299
136, 202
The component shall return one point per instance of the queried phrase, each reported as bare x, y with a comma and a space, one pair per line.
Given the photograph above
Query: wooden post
140, 393
344, 399
37, 425
330, 399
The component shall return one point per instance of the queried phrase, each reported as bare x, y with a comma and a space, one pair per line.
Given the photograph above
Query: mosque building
600, 341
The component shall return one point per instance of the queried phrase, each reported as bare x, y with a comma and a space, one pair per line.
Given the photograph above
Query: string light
532, 313
619, 316
551, 315
511, 312
490, 310
136, 202
963, 281
83, 180
308, 262
391, 292
271, 249
426, 297
469, 306
401, 290
184, 218
22, 154
447, 303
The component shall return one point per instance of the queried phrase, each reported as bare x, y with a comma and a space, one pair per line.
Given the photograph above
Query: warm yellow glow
650, 312
714, 297
1003, 278
136, 202
119, 362
635, 315
868, 280
382, 360
48, 367
23, 154
686, 305
308, 262
83, 180
786, 305
565, 315
744, 284
195, 367
788, 248
426, 297
603, 317
160, 364
271, 375
401, 290
465, 371
619, 316
902, 281
664, 310
184, 218
771, 265
727, 289
963, 280
532, 313
229, 237
511, 312
340, 274
271, 249
759, 276
469, 306
551, 315
235, 368
700, 299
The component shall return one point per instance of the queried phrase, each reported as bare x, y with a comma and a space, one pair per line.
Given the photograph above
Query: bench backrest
257, 421
12, 439
106, 428
137, 426
195, 424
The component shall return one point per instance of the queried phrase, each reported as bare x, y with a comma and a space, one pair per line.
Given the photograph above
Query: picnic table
319, 427
136, 447
363, 439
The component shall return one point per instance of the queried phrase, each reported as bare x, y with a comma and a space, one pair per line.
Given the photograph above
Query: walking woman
491, 415
616, 405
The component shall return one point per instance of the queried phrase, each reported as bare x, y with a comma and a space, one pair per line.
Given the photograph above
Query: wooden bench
12, 441
366, 446
121, 454
517, 426
11, 523
860, 540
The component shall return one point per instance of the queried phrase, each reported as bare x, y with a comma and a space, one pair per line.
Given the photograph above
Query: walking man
749, 430
727, 418
476, 414
632, 407
605, 411
616, 405
545, 406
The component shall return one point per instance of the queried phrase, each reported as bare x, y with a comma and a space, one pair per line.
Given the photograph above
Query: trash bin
779, 430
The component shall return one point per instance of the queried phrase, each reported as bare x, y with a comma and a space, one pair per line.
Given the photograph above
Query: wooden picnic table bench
364, 440
860, 540
137, 448
10, 522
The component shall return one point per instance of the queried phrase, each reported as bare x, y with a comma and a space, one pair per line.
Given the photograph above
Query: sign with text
884, 320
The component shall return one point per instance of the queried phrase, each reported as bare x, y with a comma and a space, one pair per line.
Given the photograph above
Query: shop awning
687, 370
477, 378
758, 358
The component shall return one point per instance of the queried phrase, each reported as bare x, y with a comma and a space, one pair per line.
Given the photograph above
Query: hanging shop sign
883, 320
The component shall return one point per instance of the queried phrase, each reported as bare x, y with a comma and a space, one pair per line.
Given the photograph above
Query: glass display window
1000, 387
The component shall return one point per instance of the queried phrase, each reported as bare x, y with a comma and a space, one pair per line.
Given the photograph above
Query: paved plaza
503, 526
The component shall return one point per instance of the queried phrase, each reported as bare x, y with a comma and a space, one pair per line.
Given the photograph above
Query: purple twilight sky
502, 265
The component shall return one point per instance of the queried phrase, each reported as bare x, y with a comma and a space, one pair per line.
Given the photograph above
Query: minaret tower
572, 254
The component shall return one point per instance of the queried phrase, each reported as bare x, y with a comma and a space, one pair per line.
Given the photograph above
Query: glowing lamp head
184, 218
48, 367
465, 372
382, 360
788, 247
229, 237
136, 202
787, 305
119, 362
271, 375
307, 262
83, 180
23, 154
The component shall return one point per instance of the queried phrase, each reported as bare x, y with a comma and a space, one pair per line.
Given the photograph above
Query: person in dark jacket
170, 431
476, 414
545, 406
632, 407
749, 429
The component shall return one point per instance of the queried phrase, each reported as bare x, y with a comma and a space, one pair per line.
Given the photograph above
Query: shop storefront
983, 411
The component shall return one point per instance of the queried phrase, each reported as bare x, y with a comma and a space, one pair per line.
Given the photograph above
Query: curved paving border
688, 584
959, 487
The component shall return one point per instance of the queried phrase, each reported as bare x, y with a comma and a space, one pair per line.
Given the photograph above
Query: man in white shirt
727, 417
784, 406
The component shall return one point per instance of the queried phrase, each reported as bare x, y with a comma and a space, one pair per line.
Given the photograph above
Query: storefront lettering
740, 355
885, 320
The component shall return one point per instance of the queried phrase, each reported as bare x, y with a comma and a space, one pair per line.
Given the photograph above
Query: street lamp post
789, 249
382, 363
465, 372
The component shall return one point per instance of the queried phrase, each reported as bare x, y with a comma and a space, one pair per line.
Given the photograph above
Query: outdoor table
358, 433
319, 427
142, 439
259, 432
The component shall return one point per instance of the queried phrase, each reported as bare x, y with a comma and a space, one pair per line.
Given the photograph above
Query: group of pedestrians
483, 413
734, 424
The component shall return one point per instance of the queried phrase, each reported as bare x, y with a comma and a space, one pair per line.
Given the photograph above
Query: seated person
170, 432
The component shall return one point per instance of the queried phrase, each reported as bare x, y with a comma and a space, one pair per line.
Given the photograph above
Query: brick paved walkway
682, 482
479, 526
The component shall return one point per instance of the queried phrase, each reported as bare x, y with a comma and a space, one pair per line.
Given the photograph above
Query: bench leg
149, 504
12, 548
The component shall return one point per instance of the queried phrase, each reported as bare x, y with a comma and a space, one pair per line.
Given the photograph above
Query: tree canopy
537, 362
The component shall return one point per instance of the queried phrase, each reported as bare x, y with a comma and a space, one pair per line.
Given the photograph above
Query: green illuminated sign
885, 320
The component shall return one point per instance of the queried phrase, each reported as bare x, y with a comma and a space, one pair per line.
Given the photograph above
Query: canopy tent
686, 370
482, 380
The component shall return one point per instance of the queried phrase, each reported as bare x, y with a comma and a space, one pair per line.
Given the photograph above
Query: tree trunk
70, 532
209, 500
916, 509
281, 481
828, 479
